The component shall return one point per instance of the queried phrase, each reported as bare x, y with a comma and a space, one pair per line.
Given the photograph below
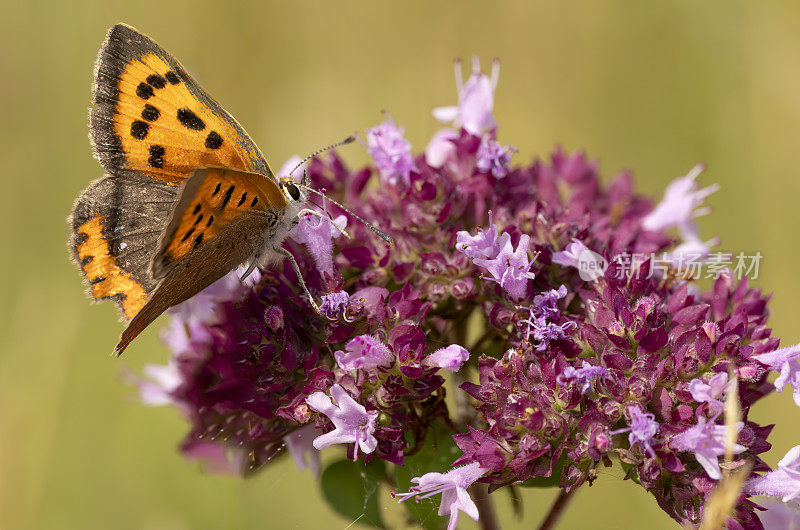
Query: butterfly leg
296, 268
250, 268
322, 216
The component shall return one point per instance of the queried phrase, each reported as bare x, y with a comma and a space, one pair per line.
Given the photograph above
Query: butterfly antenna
318, 151
383, 235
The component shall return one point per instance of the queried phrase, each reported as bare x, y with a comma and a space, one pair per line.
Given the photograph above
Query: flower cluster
560, 373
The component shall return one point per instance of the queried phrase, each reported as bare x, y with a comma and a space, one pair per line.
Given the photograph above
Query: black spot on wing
144, 91
213, 140
216, 190
244, 198
210, 220
156, 81
139, 129
172, 77
196, 209
190, 120
188, 234
150, 113
156, 156
227, 197
199, 218
255, 201
198, 240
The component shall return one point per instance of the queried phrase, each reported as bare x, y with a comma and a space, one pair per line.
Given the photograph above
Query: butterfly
187, 195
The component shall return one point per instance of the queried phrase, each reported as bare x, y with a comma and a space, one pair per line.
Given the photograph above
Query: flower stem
486, 512
557, 509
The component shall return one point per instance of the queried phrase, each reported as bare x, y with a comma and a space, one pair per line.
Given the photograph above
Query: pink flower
317, 234
582, 376
187, 337
300, 445
692, 249
391, 152
161, 382
785, 362
784, 482
441, 148
289, 165
351, 421
453, 487
363, 351
569, 257
707, 442
642, 429
450, 358
493, 158
484, 244
510, 268
334, 304
682, 202
590, 265
475, 100
710, 392
779, 514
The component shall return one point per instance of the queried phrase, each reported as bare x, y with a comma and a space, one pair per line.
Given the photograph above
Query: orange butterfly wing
116, 223
151, 117
209, 201
151, 126
221, 218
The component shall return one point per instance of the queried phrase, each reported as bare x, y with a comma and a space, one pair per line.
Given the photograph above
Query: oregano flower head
530, 288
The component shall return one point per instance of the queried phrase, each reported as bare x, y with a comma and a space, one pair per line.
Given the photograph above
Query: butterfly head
291, 191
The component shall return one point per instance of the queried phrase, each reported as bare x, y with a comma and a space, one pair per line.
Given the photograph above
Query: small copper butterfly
187, 196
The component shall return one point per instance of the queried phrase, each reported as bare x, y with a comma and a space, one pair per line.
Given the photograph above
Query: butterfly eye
293, 191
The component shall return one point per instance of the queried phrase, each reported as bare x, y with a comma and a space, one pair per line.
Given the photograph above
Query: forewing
150, 116
116, 223
210, 200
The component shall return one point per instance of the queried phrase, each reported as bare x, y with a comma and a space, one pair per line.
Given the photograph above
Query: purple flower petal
682, 202
510, 268
707, 442
450, 358
363, 351
441, 148
475, 101
493, 158
317, 234
784, 482
582, 376
391, 152
334, 304
352, 423
453, 487
785, 362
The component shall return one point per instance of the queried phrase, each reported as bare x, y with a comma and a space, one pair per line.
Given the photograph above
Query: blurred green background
650, 86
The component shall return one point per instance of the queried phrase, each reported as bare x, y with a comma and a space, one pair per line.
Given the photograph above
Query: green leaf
351, 489
437, 454
547, 482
